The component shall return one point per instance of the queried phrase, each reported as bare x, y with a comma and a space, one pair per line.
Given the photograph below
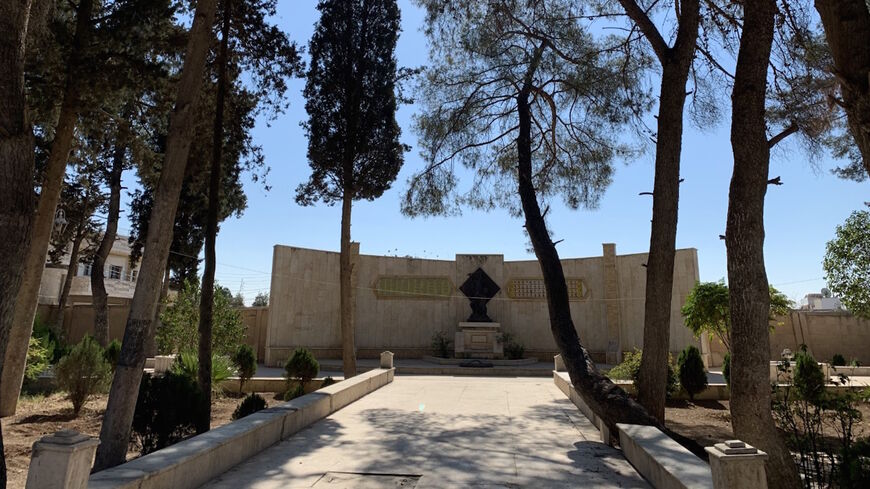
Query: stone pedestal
61, 461
737, 465
478, 340
387, 359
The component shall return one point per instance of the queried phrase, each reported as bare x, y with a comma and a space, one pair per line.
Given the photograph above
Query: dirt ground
709, 422
38, 416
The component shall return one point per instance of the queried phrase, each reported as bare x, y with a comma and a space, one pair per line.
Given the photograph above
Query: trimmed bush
441, 345
327, 382
726, 368
249, 405
302, 366
513, 349
166, 410
245, 362
83, 372
808, 378
838, 360
692, 375
296, 391
113, 353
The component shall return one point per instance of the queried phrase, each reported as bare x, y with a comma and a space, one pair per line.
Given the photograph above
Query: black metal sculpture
479, 289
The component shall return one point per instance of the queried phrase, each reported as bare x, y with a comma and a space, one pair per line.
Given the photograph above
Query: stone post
61, 461
613, 354
736, 465
387, 359
559, 364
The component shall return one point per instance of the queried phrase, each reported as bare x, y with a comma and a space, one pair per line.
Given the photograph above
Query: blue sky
800, 216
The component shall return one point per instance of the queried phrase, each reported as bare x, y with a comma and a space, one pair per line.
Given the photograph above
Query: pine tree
353, 138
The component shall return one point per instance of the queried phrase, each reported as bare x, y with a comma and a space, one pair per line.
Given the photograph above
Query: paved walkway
444, 432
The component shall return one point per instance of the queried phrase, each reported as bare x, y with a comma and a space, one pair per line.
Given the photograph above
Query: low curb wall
197, 460
563, 382
663, 462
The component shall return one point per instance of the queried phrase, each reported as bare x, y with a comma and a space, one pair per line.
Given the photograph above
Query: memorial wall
401, 303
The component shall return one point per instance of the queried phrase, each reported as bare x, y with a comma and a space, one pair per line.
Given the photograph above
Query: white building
120, 277
822, 301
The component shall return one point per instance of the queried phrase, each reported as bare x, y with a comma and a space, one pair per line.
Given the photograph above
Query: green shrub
808, 378
302, 366
51, 339
441, 344
726, 369
83, 373
245, 362
630, 367
113, 353
249, 405
692, 375
328, 381
179, 323
855, 363
296, 391
38, 358
187, 364
513, 349
838, 360
166, 410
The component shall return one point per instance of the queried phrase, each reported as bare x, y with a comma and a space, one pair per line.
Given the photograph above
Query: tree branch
788, 131
640, 17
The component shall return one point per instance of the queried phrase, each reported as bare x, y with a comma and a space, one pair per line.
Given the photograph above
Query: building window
85, 269
134, 275
115, 271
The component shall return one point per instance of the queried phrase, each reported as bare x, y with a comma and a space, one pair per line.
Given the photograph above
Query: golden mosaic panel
534, 289
402, 287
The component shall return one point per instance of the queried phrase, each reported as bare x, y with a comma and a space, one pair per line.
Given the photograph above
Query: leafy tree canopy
350, 93
583, 90
707, 310
178, 332
847, 263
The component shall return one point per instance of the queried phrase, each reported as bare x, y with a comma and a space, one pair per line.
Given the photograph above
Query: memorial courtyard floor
444, 432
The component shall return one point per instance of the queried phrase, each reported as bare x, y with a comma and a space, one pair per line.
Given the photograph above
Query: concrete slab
449, 431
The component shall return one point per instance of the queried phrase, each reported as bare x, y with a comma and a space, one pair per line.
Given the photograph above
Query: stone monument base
478, 340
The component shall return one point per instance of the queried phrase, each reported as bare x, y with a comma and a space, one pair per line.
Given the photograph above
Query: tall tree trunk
675, 61
606, 399
16, 175
206, 303
151, 342
100, 298
115, 431
348, 345
70, 273
744, 237
34, 262
847, 29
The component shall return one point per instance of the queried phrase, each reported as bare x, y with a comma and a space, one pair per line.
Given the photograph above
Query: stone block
559, 364
61, 461
387, 359
162, 363
735, 464
308, 409
661, 460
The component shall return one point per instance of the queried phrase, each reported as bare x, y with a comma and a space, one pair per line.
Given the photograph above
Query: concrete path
444, 432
